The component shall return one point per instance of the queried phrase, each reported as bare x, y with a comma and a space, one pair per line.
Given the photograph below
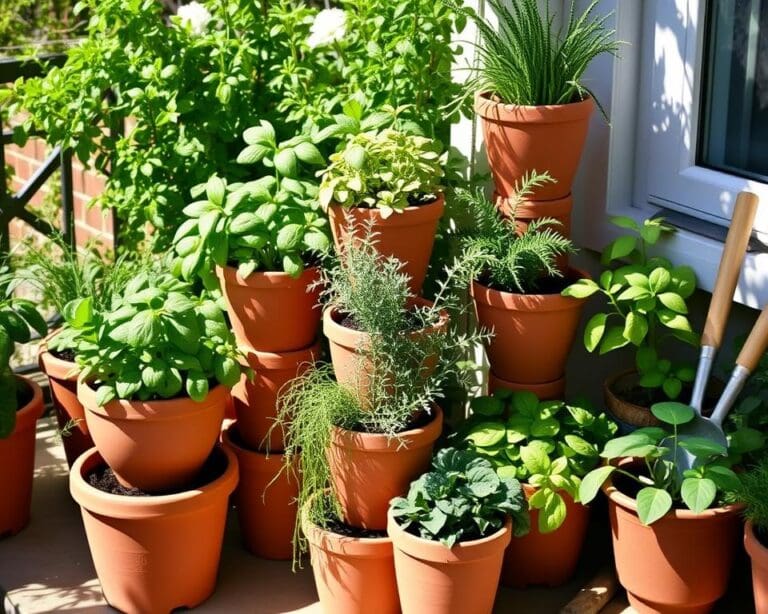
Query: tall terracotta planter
256, 400
369, 469
521, 139
408, 235
546, 558
265, 499
62, 381
759, 555
155, 445
17, 462
352, 575
272, 312
680, 563
529, 210
155, 554
434, 579
532, 333
547, 391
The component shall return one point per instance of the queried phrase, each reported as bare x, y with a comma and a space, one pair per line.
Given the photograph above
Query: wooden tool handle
730, 265
756, 343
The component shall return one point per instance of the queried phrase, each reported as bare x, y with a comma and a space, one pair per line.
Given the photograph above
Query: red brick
94, 183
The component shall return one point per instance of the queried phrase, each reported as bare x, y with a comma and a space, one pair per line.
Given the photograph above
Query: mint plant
548, 444
711, 480
646, 306
462, 498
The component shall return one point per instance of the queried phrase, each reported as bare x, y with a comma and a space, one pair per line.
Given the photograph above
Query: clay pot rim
434, 551
378, 442
124, 507
509, 385
267, 279
53, 366
358, 547
277, 361
501, 112
254, 458
27, 416
513, 301
410, 216
754, 547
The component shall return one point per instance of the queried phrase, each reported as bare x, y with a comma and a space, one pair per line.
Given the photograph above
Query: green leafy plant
754, 486
389, 170
548, 444
462, 498
158, 340
646, 305
660, 483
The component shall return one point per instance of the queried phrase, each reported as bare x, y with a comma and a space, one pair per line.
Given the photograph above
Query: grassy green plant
754, 494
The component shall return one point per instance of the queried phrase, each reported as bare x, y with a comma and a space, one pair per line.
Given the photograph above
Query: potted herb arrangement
21, 404
674, 534
645, 308
549, 446
387, 183
754, 486
156, 369
450, 532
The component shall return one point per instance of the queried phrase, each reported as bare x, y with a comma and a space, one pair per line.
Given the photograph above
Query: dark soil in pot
67, 354
548, 285
346, 530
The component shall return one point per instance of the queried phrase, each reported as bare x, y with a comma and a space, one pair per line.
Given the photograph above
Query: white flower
195, 15
330, 25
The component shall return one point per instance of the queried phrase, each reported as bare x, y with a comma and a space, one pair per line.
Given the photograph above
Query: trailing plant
548, 444
710, 482
645, 306
754, 486
389, 170
461, 499
158, 340
525, 60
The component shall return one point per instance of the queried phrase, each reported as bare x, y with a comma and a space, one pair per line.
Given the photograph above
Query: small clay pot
629, 415
154, 553
548, 391
408, 235
759, 555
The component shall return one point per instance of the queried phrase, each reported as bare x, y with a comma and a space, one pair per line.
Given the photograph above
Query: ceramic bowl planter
17, 461
255, 400
544, 324
439, 580
759, 555
369, 469
520, 139
547, 559
155, 445
630, 416
155, 553
408, 235
265, 499
548, 391
680, 563
272, 312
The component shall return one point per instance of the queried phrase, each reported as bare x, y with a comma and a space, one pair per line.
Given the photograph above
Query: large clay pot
155, 553
529, 210
680, 563
17, 461
272, 312
547, 559
759, 555
548, 391
369, 469
265, 499
434, 579
408, 235
155, 445
70, 415
532, 333
255, 400
521, 139
352, 575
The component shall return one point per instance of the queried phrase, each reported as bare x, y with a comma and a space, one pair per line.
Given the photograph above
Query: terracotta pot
629, 415
548, 391
70, 415
352, 575
17, 462
521, 139
255, 401
348, 347
154, 554
759, 555
369, 469
265, 499
272, 312
543, 324
155, 445
408, 235
433, 579
680, 563
546, 558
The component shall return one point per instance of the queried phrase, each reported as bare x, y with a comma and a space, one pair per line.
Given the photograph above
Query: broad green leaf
724, 478
581, 289
659, 279
289, 237
594, 331
672, 387
486, 406
215, 189
652, 504
673, 301
286, 162
141, 331
535, 458
645, 359
673, 320
552, 515
263, 134
622, 221
197, 385
702, 447
253, 153
613, 340
591, 483
698, 493
672, 412
104, 395
307, 152
227, 370
620, 248
635, 328
79, 312
634, 444
581, 446
355, 156
293, 264
486, 434
525, 403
